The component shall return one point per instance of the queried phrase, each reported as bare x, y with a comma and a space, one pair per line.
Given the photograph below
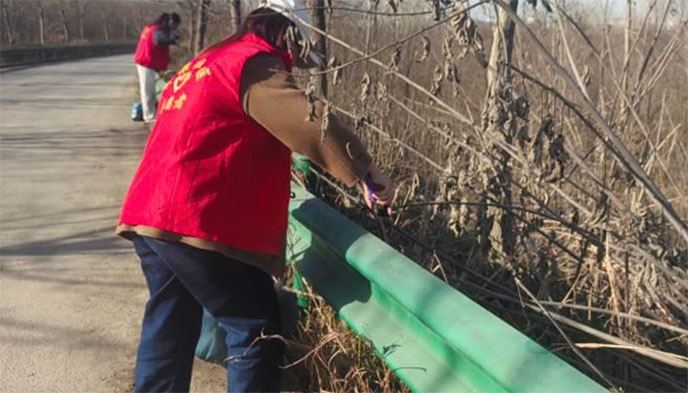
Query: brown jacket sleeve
270, 96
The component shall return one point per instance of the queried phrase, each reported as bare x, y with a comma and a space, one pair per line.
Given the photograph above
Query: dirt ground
71, 293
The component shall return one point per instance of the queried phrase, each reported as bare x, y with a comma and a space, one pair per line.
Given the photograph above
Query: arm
164, 37
270, 96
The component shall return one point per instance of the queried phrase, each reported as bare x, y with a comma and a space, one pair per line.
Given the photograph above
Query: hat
297, 13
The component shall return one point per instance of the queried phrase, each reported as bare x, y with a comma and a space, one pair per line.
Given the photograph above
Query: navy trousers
183, 280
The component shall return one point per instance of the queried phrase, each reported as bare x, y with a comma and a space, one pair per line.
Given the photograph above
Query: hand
378, 189
174, 34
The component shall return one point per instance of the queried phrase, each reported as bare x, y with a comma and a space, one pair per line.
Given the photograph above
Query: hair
162, 19
264, 22
175, 18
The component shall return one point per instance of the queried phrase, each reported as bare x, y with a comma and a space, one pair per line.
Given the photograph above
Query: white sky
608, 10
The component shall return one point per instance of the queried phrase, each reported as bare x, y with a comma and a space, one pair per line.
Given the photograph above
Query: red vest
208, 170
150, 55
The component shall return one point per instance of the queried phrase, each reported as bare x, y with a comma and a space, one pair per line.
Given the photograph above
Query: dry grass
584, 236
325, 356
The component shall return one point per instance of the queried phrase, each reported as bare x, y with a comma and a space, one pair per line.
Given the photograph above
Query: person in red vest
207, 208
152, 56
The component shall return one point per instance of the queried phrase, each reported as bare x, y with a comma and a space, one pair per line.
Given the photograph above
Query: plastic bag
212, 346
137, 111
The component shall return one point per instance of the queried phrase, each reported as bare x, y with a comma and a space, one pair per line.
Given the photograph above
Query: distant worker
153, 55
207, 208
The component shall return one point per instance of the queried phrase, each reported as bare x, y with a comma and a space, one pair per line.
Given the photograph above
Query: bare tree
65, 26
321, 42
81, 8
500, 124
371, 26
191, 6
44, 22
41, 22
235, 14
104, 20
8, 23
201, 24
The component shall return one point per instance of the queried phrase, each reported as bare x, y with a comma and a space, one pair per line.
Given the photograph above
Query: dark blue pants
183, 280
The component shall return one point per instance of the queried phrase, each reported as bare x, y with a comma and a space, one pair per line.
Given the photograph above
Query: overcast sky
610, 10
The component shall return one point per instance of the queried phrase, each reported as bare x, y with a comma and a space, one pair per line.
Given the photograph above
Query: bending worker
207, 208
152, 56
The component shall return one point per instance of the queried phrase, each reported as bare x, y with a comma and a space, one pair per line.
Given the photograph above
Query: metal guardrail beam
433, 337
33, 55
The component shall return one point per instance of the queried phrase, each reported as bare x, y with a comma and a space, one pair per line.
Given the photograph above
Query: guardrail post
303, 165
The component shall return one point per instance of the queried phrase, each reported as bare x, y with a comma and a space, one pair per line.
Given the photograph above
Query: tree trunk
192, 24
201, 24
106, 31
8, 24
499, 76
65, 27
500, 123
371, 26
235, 13
41, 23
320, 22
82, 13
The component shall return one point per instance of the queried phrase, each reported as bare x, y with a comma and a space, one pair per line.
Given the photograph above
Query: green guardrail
434, 338
21, 56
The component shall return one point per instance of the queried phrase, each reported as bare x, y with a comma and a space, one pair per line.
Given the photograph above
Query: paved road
71, 293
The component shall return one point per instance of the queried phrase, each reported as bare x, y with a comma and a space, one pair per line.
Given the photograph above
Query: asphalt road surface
71, 293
